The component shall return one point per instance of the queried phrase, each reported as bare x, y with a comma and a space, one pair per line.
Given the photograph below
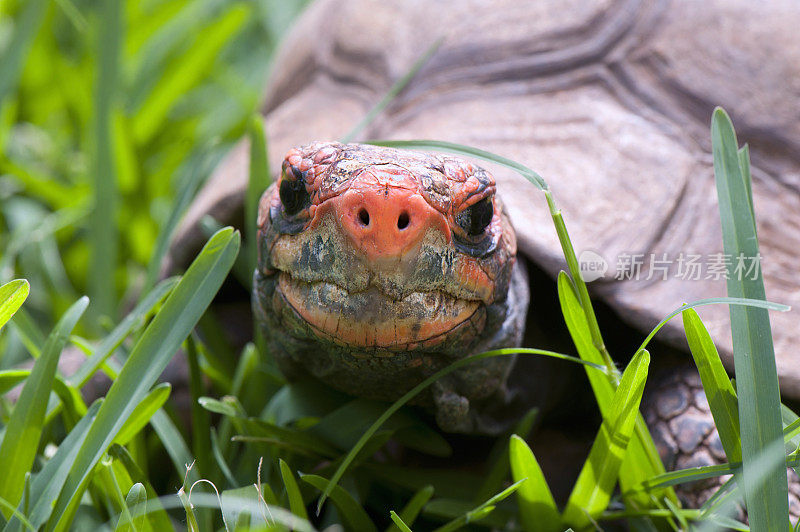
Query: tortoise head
381, 250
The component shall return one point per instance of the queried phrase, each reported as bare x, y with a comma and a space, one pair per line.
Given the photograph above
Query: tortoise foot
680, 421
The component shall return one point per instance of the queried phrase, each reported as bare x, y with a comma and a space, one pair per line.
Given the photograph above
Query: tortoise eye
293, 193
475, 218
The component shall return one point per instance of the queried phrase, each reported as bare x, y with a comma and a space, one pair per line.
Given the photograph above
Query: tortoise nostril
402, 221
363, 217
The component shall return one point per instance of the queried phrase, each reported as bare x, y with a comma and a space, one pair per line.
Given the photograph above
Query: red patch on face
383, 214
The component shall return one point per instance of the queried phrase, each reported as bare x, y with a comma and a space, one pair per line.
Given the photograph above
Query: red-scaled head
382, 250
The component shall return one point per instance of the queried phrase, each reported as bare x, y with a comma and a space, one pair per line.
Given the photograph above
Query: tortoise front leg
682, 426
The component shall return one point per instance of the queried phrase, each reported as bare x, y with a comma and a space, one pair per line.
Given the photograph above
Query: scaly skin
378, 267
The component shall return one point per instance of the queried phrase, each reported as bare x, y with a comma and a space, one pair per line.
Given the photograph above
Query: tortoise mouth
373, 319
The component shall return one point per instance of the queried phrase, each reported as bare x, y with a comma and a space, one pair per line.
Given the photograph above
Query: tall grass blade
537, 508
732, 301
716, 384
103, 234
24, 429
765, 463
164, 428
753, 353
744, 164
12, 295
642, 460
149, 357
592, 491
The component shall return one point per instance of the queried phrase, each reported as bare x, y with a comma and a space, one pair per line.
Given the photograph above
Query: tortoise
378, 267
610, 101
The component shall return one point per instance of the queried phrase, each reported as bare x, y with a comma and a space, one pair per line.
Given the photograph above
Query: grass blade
411, 510
103, 234
592, 491
694, 474
753, 353
156, 516
732, 301
136, 505
580, 286
480, 511
296, 504
188, 507
498, 473
642, 460
143, 412
173, 443
12, 295
718, 388
744, 164
30, 334
121, 331
350, 510
169, 435
48, 482
765, 463
24, 429
201, 425
149, 357
398, 522
537, 508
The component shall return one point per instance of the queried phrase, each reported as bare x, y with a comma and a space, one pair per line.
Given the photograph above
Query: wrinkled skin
378, 267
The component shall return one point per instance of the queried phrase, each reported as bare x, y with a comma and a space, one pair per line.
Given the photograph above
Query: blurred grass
109, 108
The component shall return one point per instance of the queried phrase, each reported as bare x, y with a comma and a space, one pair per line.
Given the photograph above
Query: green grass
112, 115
